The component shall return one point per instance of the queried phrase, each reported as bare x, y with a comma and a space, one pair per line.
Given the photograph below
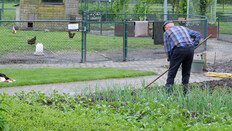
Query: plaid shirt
181, 36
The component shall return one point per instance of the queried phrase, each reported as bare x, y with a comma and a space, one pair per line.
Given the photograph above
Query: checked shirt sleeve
166, 43
196, 35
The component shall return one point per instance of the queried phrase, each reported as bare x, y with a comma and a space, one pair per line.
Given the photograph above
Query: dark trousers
184, 56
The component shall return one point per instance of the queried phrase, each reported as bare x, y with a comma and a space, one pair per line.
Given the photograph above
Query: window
53, 1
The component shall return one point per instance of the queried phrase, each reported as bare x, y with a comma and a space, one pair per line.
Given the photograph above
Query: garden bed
222, 67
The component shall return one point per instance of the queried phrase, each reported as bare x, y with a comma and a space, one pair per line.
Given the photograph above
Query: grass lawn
59, 40
225, 28
35, 76
227, 8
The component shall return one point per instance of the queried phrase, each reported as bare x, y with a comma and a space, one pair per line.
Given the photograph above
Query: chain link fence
20, 45
225, 27
123, 37
101, 37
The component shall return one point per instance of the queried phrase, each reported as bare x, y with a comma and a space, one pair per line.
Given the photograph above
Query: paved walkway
217, 51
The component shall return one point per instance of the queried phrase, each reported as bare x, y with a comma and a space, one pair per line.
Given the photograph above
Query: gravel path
217, 51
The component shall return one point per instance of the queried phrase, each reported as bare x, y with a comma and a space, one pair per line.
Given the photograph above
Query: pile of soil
216, 83
224, 67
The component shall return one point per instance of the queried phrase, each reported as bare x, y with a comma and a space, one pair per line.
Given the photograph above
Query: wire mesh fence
101, 37
147, 42
102, 44
120, 37
225, 27
20, 39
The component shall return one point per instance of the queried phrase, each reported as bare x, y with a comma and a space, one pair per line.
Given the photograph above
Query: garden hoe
168, 68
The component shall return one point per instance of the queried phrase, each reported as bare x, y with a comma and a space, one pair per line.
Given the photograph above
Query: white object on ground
39, 49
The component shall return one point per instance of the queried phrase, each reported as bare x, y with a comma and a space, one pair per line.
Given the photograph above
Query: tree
183, 6
203, 6
142, 7
174, 3
120, 6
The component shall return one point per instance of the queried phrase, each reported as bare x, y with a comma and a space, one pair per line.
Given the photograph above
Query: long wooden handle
168, 68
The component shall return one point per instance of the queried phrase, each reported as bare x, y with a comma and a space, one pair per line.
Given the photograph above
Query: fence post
125, 40
125, 16
83, 40
0, 16
205, 30
101, 24
2, 6
218, 25
106, 11
154, 17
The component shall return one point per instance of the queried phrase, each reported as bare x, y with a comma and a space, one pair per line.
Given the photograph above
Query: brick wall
28, 7
71, 9
49, 11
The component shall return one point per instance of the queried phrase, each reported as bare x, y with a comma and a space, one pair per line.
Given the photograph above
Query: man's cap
165, 23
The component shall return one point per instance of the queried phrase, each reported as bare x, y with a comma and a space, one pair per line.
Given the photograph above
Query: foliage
10, 1
142, 7
3, 124
96, 6
55, 75
182, 6
175, 4
120, 6
22, 116
224, 1
117, 109
203, 6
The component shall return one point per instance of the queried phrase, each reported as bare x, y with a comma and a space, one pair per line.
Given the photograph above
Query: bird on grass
14, 30
71, 35
3, 78
31, 41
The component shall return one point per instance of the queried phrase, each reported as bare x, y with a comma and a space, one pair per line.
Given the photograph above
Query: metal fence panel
102, 37
101, 42
225, 27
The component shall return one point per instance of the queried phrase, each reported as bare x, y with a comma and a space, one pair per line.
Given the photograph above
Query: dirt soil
217, 83
224, 67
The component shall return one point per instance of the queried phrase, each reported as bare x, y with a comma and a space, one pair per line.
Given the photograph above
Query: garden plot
225, 67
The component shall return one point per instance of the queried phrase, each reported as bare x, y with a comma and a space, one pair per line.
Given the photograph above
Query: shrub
203, 6
182, 7
3, 124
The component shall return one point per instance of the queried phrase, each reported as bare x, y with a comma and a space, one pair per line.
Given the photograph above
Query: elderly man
180, 49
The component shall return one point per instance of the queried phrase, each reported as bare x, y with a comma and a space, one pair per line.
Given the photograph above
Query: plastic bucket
197, 65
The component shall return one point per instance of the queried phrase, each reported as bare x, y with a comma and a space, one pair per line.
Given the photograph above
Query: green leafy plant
203, 6
175, 4
120, 6
3, 124
117, 108
182, 6
141, 8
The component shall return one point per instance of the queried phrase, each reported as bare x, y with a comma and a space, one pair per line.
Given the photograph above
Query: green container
197, 66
